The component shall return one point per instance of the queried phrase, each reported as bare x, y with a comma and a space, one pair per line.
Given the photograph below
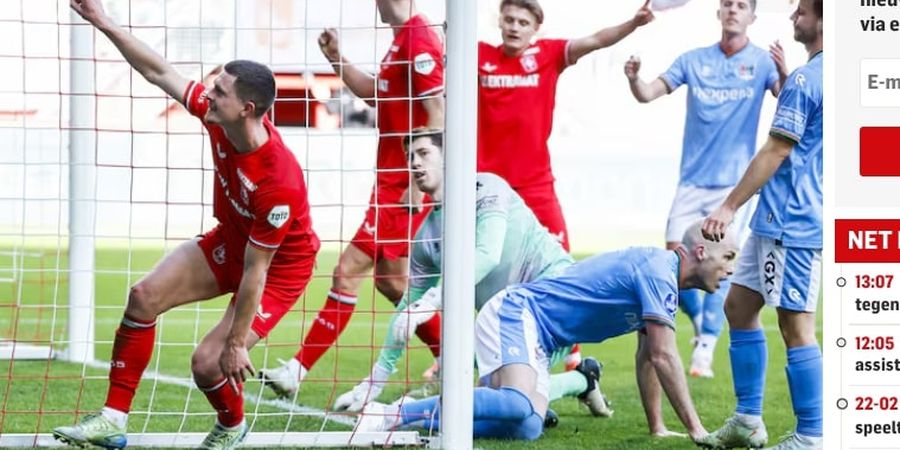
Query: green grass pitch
36, 396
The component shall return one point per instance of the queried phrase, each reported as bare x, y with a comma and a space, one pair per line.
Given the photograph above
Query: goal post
82, 194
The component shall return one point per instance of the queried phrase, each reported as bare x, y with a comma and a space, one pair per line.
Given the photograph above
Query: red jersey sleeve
195, 99
557, 52
275, 212
427, 52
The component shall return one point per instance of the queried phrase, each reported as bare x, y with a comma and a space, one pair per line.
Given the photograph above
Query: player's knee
797, 329
531, 428
143, 302
204, 365
346, 278
391, 287
517, 403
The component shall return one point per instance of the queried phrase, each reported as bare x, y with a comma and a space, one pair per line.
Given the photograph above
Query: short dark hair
817, 7
531, 5
253, 82
752, 4
436, 135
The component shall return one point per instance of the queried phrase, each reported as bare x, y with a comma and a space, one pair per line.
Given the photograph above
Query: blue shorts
787, 277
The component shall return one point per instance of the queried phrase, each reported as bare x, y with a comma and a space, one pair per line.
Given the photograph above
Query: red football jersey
413, 68
516, 97
258, 197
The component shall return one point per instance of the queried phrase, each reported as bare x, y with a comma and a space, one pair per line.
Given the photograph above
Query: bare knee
205, 366
798, 329
352, 268
742, 308
391, 286
143, 302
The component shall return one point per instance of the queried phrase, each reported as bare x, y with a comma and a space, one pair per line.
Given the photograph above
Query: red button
866, 241
879, 151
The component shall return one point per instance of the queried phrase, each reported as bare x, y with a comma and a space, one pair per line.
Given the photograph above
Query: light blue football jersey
723, 103
790, 203
604, 296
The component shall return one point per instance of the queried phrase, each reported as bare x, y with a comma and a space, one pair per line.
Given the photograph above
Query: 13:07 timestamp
874, 281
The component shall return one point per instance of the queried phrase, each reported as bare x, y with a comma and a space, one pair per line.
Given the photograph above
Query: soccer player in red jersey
262, 251
408, 93
516, 97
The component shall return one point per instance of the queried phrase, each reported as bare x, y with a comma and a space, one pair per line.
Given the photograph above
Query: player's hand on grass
234, 362
716, 224
89, 10
698, 434
632, 67
666, 433
329, 44
644, 15
366, 391
355, 399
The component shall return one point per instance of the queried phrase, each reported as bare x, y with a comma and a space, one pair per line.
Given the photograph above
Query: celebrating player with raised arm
781, 262
263, 249
727, 83
511, 247
516, 98
408, 93
593, 300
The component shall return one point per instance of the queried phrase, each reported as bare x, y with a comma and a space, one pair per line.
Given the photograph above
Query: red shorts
388, 228
285, 280
542, 200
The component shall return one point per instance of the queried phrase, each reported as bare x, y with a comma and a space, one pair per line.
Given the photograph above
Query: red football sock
331, 321
131, 353
229, 404
430, 333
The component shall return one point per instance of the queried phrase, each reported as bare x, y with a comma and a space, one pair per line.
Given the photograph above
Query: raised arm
608, 36
643, 92
141, 57
360, 83
664, 358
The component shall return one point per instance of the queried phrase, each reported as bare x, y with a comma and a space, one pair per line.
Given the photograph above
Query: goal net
103, 176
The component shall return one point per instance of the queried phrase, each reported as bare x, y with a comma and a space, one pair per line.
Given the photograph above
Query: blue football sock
504, 404
529, 429
426, 410
804, 374
749, 356
714, 310
691, 302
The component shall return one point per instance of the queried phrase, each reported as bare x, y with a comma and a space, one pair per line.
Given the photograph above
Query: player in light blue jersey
601, 297
511, 247
781, 263
727, 82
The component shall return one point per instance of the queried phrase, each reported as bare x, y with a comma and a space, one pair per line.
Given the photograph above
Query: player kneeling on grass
263, 249
511, 247
601, 297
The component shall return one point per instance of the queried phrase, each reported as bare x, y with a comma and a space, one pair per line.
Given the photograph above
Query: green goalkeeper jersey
511, 245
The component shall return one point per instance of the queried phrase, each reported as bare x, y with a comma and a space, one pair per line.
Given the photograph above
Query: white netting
144, 185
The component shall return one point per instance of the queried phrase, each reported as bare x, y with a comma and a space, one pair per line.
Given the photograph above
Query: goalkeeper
511, 247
